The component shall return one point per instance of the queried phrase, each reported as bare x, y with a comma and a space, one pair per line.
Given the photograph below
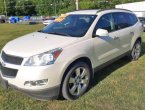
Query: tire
76, 81
136, 51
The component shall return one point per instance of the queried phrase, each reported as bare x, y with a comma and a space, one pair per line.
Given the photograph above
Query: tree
44, 7
54, 7
25, 8
2, 10
65, 6
10, 5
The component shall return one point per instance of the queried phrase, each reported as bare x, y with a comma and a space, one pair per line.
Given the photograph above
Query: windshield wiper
64, 34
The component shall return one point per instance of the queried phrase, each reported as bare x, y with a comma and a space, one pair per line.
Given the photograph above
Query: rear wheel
76, 81
136, 51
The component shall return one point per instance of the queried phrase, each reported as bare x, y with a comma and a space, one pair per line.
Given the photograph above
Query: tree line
53, 7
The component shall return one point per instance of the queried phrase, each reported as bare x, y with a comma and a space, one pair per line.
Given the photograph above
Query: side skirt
111, 61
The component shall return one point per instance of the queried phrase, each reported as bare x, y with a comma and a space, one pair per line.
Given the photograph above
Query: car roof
89, 12
95, 11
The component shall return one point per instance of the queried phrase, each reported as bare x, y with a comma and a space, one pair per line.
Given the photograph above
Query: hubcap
136, 51
78, 82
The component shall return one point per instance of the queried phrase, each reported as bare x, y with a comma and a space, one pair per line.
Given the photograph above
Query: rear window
132, 19
123, 20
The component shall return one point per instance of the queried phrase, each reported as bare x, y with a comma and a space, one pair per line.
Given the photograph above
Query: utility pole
105, 3
5, 7
55, 7
77, 4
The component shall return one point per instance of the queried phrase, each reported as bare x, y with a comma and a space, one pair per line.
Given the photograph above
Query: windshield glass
70, 25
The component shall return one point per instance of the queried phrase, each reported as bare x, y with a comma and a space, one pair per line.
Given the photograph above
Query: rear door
123, 30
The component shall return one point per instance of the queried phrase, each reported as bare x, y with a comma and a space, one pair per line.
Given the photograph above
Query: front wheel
136, 51
76, 81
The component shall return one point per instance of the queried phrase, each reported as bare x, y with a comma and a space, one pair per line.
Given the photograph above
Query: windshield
70, 25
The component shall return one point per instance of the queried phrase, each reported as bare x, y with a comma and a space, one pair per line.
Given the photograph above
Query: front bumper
33, 73
25, 73
43, 94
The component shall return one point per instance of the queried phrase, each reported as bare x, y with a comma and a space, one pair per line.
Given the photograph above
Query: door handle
115, 37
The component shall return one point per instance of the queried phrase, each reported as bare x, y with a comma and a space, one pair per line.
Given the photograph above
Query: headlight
43, 59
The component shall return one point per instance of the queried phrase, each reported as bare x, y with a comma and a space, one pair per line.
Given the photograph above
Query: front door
106, 47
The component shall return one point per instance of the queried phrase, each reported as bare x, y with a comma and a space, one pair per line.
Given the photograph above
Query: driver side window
105, 22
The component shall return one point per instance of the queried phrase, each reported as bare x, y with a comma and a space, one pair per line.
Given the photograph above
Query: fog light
36, 83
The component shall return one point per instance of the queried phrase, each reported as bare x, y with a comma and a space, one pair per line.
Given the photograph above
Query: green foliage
11, 10
2, 9
88, 5
44, 7
54, 7
65, 6
25, 8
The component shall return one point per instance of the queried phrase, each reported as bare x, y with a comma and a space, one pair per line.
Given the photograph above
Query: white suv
61, 58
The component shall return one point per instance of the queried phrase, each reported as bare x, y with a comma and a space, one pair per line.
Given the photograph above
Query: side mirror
102, 32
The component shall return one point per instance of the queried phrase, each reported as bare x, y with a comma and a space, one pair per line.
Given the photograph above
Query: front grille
11, 59
7, 72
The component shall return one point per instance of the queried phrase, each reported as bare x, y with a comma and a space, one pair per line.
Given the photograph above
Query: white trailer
137, 7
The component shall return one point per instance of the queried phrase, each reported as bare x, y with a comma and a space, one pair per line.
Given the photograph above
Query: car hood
36, 43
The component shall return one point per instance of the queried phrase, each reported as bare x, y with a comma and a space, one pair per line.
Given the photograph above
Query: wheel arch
137, 39
83, 59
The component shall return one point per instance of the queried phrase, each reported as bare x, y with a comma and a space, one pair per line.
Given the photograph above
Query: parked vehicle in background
142, 19
48, 21
136, 7
2, 18
26, 18
61, 59
14, 19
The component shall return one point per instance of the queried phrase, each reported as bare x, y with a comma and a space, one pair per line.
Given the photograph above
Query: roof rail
114, 9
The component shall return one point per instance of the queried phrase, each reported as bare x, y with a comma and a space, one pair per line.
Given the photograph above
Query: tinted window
70, 26
105, 22
121, 20
132, 19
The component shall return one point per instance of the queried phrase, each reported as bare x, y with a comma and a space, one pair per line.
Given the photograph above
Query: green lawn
120, 86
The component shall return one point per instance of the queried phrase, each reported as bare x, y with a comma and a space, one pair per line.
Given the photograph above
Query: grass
120, 86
